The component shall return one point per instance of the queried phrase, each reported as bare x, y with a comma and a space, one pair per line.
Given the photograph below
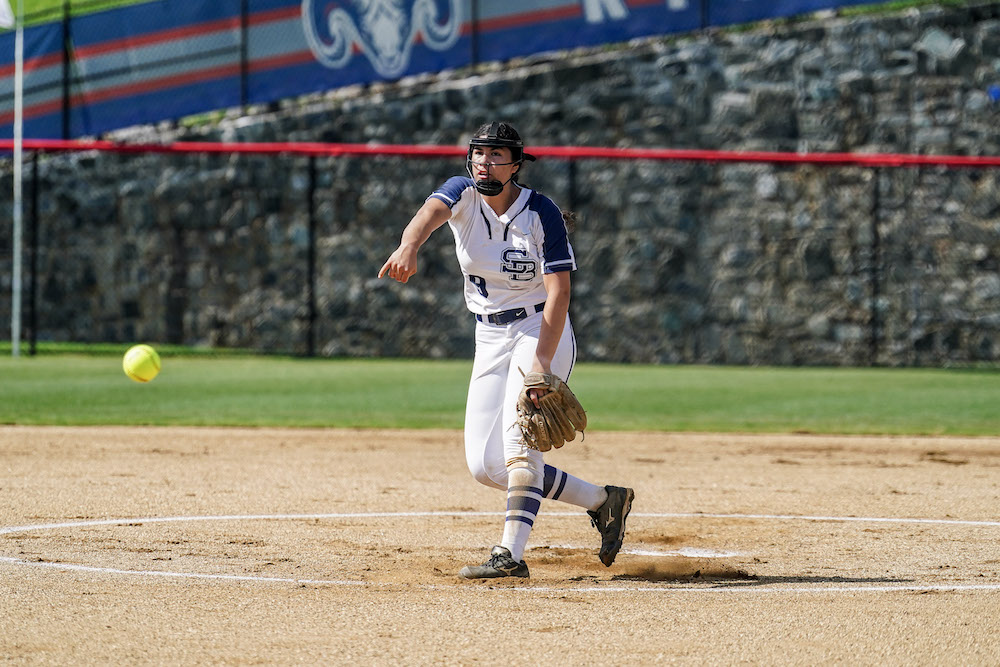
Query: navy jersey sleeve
451, 192
557, 254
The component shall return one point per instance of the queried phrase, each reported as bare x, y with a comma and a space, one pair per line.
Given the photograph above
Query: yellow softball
141, 363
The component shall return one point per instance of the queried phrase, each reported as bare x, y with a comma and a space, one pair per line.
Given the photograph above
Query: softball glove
558, 418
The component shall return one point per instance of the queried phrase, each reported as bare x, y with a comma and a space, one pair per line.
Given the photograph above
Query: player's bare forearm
557, 288
402, 263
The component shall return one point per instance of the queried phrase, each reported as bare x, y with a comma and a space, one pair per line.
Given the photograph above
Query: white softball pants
492, 440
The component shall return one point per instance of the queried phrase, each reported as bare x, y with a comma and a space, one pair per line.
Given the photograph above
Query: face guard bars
492, 139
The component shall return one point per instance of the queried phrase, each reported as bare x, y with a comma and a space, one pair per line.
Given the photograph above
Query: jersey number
480, 284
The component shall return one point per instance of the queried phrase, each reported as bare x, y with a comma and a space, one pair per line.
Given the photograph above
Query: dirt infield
237, 546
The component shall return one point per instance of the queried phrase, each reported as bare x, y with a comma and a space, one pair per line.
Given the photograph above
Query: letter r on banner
594, 10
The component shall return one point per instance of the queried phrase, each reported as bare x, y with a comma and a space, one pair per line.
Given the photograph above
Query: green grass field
242, 389
46, 11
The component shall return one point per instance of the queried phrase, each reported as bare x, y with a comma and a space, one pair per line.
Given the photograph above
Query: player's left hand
535, 394
551, 419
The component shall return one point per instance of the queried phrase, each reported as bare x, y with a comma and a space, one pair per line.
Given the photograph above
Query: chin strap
491, 188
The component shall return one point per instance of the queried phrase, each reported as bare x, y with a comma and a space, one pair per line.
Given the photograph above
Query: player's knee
525, 463
523, 473
483, 476
521, 477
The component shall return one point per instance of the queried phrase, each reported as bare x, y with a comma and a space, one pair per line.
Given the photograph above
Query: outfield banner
43, 77
172, 58
519, 28
143, 63
743, 11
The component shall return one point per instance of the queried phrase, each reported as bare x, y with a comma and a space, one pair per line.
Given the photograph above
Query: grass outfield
242, 389
47, 11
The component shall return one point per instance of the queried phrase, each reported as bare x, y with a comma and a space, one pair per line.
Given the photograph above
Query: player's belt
512, 315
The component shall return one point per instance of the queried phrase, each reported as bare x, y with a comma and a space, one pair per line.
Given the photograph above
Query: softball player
515, 255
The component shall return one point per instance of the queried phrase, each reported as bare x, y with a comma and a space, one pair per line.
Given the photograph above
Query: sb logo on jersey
517, 264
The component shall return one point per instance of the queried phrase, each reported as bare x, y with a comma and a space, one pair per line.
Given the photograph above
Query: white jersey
503, 257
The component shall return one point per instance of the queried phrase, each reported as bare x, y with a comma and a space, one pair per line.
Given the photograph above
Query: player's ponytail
569, 219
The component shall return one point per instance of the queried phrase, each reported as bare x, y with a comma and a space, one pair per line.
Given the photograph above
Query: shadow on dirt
686, 570
738, 577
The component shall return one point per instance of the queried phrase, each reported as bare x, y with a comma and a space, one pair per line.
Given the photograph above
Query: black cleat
500, 564
609, 519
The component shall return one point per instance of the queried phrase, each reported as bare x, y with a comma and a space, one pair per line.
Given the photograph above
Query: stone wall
679, 262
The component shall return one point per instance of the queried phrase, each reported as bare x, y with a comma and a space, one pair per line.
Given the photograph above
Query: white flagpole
15, 301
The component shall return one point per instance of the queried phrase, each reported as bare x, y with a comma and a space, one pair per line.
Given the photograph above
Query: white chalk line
403, 515
708, 588
71, 567
683, 552
847, 519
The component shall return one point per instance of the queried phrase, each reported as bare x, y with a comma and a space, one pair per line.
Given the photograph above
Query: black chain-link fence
679, 262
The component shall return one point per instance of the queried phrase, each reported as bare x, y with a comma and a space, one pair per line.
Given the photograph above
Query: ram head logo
384, 30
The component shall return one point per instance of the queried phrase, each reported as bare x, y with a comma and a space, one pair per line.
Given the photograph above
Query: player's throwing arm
402, 264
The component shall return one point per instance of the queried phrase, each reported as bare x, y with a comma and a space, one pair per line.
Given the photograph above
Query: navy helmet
497, 135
